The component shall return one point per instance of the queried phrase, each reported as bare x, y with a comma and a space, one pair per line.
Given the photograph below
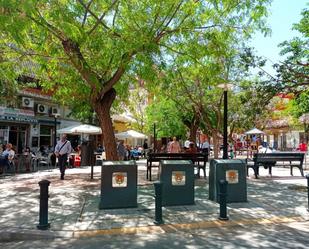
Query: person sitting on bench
6, 159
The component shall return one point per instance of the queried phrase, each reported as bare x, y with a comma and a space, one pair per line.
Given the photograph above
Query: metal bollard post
222, 200
91, 177
43, 222
307, 176
158, 203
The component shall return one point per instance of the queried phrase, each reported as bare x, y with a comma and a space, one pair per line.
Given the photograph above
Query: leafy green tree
292, 73
164, 113
86, 50
13, 65
135, 105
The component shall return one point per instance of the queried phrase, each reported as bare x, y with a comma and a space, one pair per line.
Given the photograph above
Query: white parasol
130, 134
81, 129
254, 131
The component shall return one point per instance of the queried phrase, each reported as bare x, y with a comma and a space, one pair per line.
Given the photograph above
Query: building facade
31, 119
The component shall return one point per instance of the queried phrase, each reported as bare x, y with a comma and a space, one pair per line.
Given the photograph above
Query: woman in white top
7, 155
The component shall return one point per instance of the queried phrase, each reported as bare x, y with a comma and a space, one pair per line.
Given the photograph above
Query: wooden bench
194, 157
268, 160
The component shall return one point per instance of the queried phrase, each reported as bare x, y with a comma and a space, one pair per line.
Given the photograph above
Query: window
4, 134
45, 130
35, 142
45, 135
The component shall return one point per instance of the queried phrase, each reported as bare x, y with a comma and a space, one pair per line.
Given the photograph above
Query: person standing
206, 147
62, 149
122, 151
302, 146
145, 148
175, 146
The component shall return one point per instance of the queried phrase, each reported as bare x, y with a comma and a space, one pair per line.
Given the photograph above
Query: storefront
15, 127
21, 128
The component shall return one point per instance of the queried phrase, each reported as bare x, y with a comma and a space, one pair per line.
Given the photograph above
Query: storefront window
17, 137
35, 142
4, 134
45, 141
45, 135
45, 130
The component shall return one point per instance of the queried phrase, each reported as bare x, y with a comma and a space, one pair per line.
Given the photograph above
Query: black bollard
91, 177
307, 176
43, 222
158, 203
222, 199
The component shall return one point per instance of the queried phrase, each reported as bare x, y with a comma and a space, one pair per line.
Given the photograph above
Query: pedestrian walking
62, 150
122, 151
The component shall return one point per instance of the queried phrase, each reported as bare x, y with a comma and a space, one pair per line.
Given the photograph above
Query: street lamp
154, 137
56, 115
225, 88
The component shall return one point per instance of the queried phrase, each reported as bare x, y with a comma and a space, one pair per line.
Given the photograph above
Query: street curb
170, 228
8, 235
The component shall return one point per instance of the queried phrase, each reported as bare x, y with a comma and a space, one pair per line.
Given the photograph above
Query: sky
283, 14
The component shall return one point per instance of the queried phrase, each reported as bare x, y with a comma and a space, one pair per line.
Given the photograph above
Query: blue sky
283, 14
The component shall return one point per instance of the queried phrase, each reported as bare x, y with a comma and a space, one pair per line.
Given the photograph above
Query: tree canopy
85, 51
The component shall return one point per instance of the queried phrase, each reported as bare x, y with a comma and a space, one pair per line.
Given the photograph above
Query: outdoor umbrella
254, 131
130, 134
132, 137
81, 129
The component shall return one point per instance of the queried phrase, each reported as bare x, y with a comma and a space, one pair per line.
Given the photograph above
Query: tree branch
179, 52
73, 51
98, 19
86, 13
101, 17
47, 25
160, 34
118, 73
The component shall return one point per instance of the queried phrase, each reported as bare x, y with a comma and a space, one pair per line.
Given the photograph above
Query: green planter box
118, 184
177, 177
234, 172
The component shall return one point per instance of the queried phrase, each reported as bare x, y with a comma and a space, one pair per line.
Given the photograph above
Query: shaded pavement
273, 203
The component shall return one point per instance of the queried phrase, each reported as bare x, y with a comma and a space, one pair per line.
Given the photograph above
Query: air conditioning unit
27, 102
54, 111
42, 108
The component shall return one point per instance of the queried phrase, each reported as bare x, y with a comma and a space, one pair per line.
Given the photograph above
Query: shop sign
178, 178
231, 176
120, 180
22, 119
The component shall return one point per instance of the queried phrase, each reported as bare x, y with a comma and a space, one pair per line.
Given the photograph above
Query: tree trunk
193, 130
102, 108
216, 144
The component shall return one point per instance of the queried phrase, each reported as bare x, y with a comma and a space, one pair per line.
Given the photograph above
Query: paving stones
73, 203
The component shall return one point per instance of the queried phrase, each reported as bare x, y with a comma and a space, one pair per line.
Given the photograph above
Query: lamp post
225, 87
56, 115
154, 137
